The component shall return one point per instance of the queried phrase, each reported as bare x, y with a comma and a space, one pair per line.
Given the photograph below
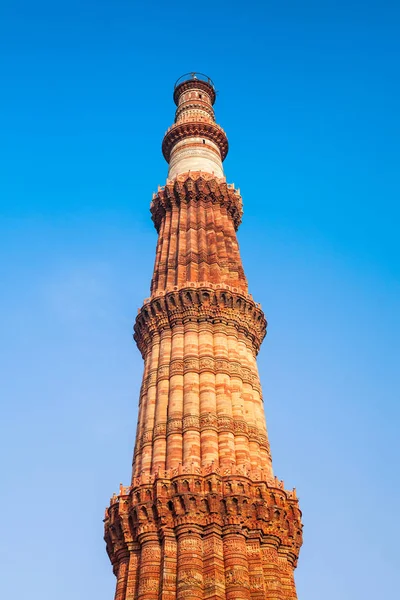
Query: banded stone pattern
200, 401
204, 517
194, 142
197, 217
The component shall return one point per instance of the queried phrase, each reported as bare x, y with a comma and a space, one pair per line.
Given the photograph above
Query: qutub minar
204, 516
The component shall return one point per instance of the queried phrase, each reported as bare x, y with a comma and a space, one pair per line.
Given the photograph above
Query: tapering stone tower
204, 517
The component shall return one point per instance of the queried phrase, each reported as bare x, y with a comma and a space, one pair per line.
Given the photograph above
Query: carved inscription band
202, 365
206, 421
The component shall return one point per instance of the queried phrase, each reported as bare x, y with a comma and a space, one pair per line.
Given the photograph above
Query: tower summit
195, 142
204, 517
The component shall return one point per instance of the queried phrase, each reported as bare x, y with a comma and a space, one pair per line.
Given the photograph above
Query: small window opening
204, 141
200, 96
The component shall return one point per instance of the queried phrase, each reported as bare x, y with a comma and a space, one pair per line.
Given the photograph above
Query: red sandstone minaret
204, 517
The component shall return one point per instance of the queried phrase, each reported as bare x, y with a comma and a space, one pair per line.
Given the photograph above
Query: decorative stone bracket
197, 187
196, 304
179, 131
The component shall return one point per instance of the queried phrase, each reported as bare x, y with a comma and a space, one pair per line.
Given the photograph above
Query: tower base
197, 536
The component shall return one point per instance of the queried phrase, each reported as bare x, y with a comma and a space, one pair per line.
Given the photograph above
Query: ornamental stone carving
179, 131
199, 190
204, 518
174, 426
200, 304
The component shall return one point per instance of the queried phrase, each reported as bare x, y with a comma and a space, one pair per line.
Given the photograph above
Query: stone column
122, 574
237, 581
173, 251
257, 584
192, 250
175, 400
230, 233
190, 564
150, 559
202, 240
213, 562
137, 455
169, 565
133, 571
271, 573
161, 409
208, 401
191, 397
180, 278
163, 263
154, 281
265, 454
286, 569
242, 452
148, 425
248, 405
226, 437
223, 257
214, 270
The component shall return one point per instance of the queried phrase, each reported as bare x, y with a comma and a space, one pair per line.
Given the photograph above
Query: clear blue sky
309, 95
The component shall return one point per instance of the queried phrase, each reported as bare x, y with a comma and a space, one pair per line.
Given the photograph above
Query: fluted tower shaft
204, 516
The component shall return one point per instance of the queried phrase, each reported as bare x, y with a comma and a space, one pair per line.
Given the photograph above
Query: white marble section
195, 154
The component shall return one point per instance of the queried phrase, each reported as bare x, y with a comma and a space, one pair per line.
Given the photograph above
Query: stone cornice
233, 502
200, 304
179, 131
196, 187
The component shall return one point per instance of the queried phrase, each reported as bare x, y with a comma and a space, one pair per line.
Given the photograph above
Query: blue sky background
309, 95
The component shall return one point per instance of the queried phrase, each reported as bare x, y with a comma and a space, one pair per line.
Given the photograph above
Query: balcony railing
194, 75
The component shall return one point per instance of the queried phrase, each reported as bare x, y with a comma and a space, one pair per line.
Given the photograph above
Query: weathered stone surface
204, 516
195, 142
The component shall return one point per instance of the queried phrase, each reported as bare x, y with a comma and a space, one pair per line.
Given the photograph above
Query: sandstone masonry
204, 517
